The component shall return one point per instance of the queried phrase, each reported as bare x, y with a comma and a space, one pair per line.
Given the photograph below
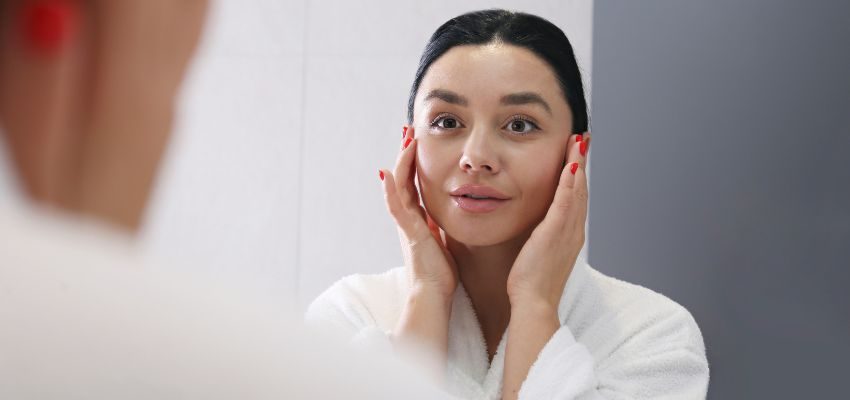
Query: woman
492, 287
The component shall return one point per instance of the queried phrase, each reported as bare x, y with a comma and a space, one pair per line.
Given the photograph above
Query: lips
479, 191
478, 198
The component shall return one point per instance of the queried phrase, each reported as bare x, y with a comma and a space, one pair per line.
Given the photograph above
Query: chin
479, 233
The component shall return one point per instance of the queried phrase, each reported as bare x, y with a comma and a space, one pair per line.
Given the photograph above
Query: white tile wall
288, 113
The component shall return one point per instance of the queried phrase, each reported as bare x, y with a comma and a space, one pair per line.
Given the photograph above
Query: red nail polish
381, 175
578, 138
407, 142
574, 168
404, 132
47, 25
582, 148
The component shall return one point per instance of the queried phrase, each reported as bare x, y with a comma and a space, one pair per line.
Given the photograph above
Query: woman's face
492, 128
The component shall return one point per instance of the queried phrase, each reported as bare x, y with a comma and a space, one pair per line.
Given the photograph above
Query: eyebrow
448, 96
517, 99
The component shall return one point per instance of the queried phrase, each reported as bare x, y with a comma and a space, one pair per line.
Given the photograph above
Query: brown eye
446, 122
521, 126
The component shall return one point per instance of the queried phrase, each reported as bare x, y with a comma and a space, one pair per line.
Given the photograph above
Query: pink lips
478, 198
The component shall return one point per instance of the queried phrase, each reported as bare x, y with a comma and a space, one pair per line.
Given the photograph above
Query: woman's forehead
490, 72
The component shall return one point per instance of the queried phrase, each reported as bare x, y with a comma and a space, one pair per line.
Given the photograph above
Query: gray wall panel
721, 179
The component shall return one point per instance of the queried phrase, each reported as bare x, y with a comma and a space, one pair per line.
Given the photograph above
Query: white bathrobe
617, 340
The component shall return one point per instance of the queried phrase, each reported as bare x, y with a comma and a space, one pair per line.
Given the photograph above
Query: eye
445, 122
521, 125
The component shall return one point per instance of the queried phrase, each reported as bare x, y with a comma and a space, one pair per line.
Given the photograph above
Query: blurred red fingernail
574, 168
404, 132
47, 25
578, 138
407, 142
582, 148
381, 175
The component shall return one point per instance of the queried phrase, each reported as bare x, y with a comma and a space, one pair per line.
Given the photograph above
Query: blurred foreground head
87, 95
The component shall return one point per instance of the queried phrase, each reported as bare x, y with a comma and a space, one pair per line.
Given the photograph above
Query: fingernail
404, 132
574, 168
381, 175
407, 142
582, 148
47, 25
578, 138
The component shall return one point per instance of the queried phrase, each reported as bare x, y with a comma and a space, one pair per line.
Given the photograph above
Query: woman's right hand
422, 330
432, 268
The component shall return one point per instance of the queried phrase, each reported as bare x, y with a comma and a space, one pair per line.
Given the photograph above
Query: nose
479, 155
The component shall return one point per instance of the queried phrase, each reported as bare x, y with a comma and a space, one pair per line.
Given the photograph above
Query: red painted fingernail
381, 175
407, 142
582, 148
47, 25
578, 138
574, 168
404, 132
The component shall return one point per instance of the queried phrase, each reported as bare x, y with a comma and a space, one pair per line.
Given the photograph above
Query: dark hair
531, 32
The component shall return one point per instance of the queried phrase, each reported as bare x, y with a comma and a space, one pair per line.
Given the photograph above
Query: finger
42, 74
438, 236
580, 191
420, 207
404, 173
403, 137
564, 198
585, 150
391, 198
572, 142
409, 133
577, 149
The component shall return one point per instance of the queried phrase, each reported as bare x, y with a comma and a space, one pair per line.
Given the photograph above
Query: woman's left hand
544, 264
540, 271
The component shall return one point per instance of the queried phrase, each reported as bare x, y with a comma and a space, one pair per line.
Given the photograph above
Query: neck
484, 271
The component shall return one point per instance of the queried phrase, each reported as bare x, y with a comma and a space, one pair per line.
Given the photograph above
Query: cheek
538, 180
427, 158
435, 163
